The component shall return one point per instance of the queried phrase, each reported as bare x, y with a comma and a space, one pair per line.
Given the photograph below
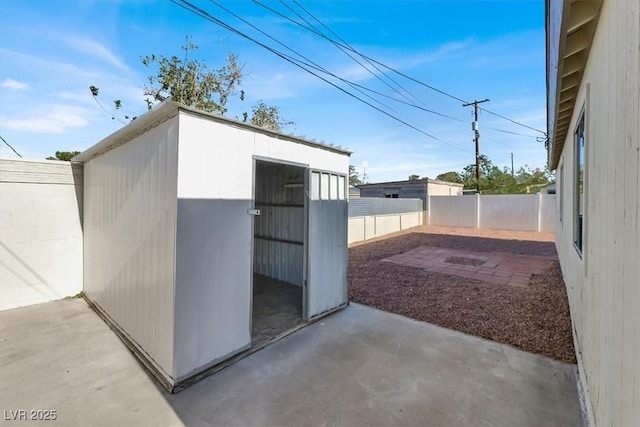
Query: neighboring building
414, 189
205, 237
354, 192
593, 111
549, 188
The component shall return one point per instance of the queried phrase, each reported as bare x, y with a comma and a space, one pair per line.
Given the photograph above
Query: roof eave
570, 29
168, 109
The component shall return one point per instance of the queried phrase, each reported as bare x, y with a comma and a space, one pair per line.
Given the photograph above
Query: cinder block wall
40, 231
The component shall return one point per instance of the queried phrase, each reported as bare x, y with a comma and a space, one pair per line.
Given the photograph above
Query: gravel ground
535, 319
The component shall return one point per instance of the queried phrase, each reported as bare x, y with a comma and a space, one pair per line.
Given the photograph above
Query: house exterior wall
603, 283
418, 189
129, 239
438, 188
40, 231
213, 252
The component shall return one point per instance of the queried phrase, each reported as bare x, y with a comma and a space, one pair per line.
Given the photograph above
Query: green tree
494, 180
354, 178
451, 176
267, 117
191, 82
414, 177
64, 155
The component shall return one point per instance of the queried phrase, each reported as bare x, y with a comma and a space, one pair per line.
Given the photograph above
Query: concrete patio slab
359, 366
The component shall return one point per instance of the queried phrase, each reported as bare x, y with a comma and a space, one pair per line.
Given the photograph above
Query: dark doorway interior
278, 250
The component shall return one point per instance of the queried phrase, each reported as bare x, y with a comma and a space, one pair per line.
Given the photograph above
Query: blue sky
52, 51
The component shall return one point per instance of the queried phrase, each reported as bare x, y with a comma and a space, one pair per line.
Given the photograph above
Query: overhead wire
310, 62
381, 71
317, 67
9, 145
207, 16
399, 89
400, 73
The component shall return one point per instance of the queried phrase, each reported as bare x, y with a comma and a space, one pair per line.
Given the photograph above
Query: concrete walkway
359, 366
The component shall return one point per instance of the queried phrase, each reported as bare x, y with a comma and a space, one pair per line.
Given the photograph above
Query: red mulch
535, 319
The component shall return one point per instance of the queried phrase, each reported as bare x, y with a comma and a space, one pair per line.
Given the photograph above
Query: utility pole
512, 174
474, 126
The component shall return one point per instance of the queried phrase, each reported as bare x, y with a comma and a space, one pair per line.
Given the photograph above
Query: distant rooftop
411, 182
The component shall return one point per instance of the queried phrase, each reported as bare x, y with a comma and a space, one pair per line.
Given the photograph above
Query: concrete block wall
529, 212
367, 227
40, 231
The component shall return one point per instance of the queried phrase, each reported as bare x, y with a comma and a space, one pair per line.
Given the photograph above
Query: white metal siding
327, 250
215, 174
213, 282
213, 275
604, 284
129, 238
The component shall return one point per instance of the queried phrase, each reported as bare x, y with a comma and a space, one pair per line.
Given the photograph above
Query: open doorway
278, 249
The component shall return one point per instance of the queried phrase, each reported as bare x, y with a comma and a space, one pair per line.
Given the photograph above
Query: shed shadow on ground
361, 366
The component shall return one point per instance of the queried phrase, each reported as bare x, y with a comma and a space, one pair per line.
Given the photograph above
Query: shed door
326, 243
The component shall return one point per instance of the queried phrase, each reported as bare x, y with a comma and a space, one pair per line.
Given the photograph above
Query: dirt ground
534, 318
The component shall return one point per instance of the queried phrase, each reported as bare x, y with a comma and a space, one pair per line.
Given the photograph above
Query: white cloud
53, 118
99, 51
357, 72
14, 84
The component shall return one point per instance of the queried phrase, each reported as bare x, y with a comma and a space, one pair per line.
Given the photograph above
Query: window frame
579, 188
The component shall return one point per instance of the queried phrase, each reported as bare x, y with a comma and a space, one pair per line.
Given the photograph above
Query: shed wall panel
216, 163
129, 238
213, 282
327, 252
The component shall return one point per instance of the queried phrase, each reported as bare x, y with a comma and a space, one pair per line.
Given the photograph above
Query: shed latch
255, 212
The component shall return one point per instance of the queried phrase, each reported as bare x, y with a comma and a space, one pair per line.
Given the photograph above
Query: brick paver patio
497, 268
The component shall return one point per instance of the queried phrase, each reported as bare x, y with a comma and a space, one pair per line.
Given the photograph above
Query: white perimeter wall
367, 227
604, 284
40, 231
530, 212
129, 238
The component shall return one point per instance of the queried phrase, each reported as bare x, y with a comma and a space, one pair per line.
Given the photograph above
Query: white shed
205, 237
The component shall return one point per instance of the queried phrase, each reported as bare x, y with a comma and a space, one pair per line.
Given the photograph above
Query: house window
579, 146
560, 190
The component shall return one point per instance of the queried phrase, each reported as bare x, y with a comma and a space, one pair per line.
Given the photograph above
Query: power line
350, 83
205, 15
310, 62
508, 131
513, 121
9, 145
346, 46
400, 89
